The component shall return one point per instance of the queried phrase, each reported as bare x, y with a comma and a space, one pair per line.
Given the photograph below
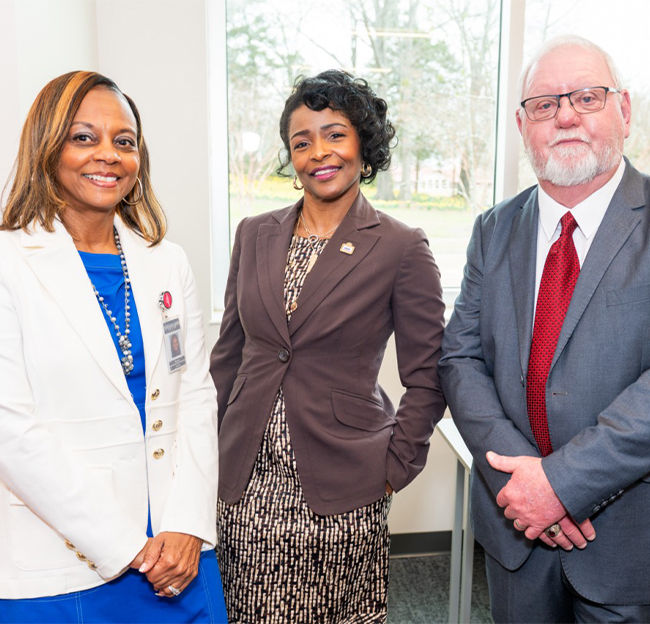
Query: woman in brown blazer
310, 446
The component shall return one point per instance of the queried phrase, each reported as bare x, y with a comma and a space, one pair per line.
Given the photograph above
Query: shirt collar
588, 213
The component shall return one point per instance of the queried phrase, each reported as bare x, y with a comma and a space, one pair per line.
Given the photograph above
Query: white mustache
569, 135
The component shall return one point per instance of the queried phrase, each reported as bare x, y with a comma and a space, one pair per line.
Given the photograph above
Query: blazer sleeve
226, 356
418, 317
466, 381
191, 503
45, 475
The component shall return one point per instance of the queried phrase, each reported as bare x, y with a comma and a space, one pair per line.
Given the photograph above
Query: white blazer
76, 471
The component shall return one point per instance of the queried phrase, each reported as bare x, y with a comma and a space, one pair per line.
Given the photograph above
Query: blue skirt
129, 598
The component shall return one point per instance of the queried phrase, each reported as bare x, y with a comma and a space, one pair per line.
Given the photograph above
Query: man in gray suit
546, 358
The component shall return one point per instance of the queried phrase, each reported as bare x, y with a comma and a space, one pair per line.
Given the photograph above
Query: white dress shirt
588, 214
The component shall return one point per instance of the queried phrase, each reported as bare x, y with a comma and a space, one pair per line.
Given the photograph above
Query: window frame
218, 143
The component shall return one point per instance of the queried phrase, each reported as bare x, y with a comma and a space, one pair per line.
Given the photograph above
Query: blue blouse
105, 272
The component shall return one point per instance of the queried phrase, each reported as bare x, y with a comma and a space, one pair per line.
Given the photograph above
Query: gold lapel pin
347, 248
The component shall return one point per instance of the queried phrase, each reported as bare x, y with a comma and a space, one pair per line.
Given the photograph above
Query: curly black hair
340, 91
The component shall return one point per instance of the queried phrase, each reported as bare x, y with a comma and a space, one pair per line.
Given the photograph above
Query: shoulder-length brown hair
35, 196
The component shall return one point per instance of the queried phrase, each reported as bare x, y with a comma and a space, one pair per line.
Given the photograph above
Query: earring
133, 203
296, 185
366, 170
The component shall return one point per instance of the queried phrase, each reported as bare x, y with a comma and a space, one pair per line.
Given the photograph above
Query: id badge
174, 347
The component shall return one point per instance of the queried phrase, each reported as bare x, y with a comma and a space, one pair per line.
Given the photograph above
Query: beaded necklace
122, 339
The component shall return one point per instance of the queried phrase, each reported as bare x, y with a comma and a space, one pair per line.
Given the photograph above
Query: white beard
577, 164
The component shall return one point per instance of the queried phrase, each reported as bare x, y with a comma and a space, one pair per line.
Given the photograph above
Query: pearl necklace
122, 339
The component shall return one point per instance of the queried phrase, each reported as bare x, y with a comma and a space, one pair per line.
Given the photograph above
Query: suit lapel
273, 240
333, 264
148, 281
55, 261
522, 258
618, 223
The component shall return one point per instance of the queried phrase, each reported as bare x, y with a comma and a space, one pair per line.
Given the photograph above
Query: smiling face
574, 150
99, 162
326, 154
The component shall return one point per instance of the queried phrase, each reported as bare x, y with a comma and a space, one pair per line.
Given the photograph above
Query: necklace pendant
127, 365
313, 239
312, 261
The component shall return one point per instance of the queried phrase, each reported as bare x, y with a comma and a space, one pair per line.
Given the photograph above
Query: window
442, 66
434, 62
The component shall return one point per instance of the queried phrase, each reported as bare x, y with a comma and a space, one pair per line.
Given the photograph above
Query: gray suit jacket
598, 390
347, 437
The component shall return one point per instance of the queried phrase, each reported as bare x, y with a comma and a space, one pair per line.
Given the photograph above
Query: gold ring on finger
553, 531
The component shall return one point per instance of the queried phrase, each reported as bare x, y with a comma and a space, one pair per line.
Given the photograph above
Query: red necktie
558, 280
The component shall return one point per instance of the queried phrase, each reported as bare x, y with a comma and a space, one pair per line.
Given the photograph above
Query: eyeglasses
583, 101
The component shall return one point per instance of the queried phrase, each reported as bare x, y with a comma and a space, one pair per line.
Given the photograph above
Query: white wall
38, 41
10, 116
428, 503
156, 51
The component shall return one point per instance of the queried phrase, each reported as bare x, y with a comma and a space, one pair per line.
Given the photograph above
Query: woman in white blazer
108, 456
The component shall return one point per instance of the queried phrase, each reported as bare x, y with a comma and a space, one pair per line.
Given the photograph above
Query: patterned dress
280, 562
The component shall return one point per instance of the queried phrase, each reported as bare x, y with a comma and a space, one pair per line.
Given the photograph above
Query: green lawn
448, 225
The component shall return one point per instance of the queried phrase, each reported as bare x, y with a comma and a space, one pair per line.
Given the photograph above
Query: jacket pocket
236, 388
628, 295
359, 412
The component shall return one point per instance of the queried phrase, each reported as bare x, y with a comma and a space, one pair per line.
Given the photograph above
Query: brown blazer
347, 438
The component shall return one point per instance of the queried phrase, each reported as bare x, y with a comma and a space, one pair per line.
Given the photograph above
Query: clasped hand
169, 559
529, 499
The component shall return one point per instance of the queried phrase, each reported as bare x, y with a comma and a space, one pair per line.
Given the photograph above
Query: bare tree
475, 28
637, 147
262, 61
432, 60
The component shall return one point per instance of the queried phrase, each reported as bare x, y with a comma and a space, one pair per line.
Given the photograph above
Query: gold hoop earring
296, 185
366, 170
133, 203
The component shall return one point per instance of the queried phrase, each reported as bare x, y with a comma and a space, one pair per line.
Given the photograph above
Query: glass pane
610, 27
433, 61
